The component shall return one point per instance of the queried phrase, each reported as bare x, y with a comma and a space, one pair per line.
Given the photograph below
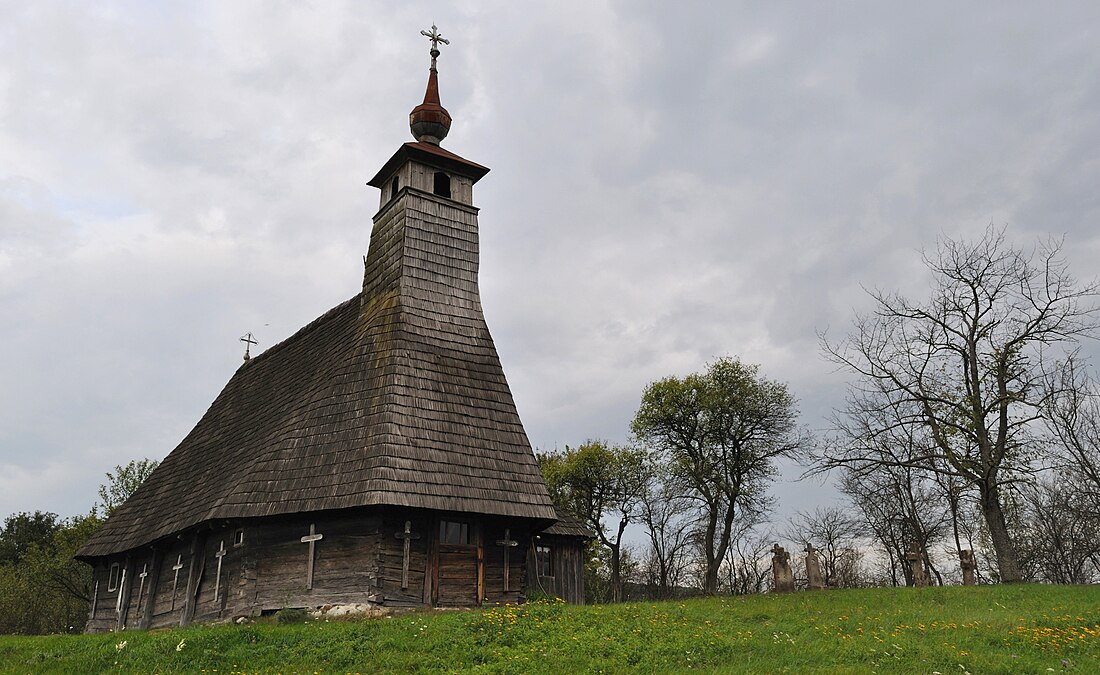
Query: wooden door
457, 570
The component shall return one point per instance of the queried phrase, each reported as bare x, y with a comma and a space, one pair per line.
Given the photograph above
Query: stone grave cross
312, 538
408, 535
814, 580
966, 562
782, 577
916, 565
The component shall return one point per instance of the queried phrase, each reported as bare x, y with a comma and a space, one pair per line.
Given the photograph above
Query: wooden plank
431, 574
125, 584
150, 599
198, 560
480, 562
458, 574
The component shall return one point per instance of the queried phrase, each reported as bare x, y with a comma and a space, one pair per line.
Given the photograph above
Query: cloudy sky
668, 185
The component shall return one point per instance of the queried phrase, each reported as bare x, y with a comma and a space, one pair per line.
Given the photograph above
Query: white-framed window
112, 578
544, 561
238, 537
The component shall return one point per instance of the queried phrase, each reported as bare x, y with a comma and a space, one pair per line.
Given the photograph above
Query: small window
395, 185
544, 561
442, 184
238, 537
112, 579
453, 533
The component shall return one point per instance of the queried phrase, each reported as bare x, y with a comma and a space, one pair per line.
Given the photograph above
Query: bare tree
848, 569
898, 497
748, 562
669, 520
1060, 534
902, 508
834, 532
1073, 417
966, 365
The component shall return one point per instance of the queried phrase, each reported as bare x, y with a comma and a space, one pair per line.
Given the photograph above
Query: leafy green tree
25, 531
122, 483
966, 368
42, 588
595, 482
70, 577
46, 591
720, 432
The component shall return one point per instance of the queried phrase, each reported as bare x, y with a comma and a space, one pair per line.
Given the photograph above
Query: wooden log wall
567, 582
359, 559
168, 600
391, 553
102, 616
494, 567
209, 606
345, 567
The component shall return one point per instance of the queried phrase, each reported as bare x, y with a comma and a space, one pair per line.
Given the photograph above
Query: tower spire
430, 121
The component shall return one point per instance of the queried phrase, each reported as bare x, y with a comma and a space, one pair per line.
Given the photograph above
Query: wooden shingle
395, 397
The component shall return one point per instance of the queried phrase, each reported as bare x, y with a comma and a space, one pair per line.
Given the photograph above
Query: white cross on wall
218, 579
176, 579
312, 538
141, 586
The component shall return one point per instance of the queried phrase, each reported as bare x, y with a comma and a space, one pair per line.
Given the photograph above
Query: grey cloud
669, 185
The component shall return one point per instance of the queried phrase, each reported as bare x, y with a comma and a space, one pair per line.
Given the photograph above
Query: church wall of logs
383, 557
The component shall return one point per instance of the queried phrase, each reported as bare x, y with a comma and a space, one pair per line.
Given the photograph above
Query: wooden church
374, 457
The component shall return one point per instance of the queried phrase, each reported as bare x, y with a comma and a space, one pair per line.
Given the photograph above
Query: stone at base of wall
358, 609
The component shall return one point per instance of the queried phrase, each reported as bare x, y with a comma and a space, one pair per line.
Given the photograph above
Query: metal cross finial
436, 37
248, 339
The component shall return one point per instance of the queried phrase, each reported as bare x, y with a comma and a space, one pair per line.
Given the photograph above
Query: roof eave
433, 155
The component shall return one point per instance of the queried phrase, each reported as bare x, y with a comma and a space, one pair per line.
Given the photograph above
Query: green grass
1007, 629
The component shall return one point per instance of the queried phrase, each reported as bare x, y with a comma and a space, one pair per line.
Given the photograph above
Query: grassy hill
1008, 629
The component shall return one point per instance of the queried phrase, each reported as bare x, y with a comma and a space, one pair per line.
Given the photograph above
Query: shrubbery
42, 589
285, 616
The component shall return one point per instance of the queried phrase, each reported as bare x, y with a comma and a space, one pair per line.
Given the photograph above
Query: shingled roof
568, 526
395, 397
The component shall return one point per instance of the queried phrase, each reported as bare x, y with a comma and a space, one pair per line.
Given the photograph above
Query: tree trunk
719, 548
1007, 563
616, 576
710, 577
